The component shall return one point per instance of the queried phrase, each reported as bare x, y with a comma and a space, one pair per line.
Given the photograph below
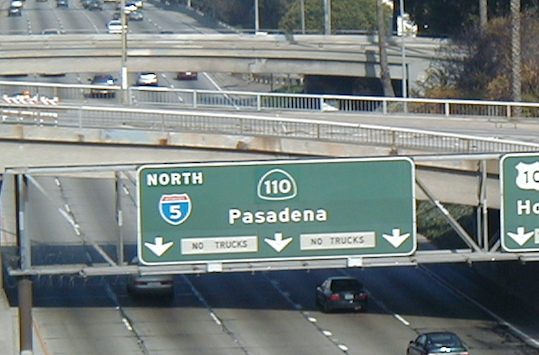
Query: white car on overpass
115, 26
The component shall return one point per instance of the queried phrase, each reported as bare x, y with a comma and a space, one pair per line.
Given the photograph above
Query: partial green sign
279, 210
519, 178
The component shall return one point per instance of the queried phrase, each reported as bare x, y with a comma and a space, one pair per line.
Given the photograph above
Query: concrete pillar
25, 316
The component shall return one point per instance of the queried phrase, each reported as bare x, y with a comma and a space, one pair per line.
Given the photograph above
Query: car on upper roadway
145, 79
14, 11
104, 83
117, 16
129, 7
187, 75
135, 15
16, 3
341, 292
95, 5
62, 3
434, 343
115, 26
50, 31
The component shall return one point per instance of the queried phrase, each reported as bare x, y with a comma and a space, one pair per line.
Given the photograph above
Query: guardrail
260, 101
251, 125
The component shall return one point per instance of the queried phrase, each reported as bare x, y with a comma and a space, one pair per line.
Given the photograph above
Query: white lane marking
127, 324
401, 319
216, 319
342, 347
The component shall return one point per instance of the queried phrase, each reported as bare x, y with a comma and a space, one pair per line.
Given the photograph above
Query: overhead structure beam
420, 257
478, 251
451, 220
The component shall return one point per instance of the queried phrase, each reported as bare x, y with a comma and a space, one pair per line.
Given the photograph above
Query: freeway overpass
340, 55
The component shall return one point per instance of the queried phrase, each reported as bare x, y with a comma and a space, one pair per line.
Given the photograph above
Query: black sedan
436, 343
341, 292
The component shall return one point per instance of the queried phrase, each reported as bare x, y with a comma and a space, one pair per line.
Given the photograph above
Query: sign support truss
478, 251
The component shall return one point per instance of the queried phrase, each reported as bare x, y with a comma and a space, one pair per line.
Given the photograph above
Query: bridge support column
483, 226
24, 284
25, 316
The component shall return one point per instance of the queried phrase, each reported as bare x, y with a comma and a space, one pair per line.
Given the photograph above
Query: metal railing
252, 125
263, 101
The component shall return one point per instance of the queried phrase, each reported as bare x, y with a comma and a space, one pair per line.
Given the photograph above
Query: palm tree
384, 65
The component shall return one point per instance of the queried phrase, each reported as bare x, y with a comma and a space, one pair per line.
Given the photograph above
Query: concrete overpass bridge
340, 55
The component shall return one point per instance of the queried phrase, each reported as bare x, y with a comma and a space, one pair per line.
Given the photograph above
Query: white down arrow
159, 248
396, 238
278, 243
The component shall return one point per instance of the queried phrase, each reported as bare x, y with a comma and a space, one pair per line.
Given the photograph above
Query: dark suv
107, 82
341, 292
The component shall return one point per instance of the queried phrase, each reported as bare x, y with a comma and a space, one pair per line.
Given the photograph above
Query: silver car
157, 284
151, 285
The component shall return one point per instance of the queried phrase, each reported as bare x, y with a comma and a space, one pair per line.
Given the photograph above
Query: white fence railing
260, 101
251, 125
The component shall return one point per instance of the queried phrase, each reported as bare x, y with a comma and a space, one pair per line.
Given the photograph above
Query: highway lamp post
123, 74
257, 20
516, 55
302, 10
327, 16
403, 50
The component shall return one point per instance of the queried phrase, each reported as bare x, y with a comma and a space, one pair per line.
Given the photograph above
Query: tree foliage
346, 15
448, 18
241, 13
479, 65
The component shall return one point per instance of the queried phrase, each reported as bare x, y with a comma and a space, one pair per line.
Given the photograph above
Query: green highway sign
519, 179
277, 210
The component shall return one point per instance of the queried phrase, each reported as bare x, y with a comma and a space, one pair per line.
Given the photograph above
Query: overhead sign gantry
279, 210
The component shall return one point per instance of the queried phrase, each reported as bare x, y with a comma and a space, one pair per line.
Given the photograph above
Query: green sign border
509, 245
411, 243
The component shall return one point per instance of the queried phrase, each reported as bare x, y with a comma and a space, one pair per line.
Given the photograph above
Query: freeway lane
339, 55
262, 313
38, 16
